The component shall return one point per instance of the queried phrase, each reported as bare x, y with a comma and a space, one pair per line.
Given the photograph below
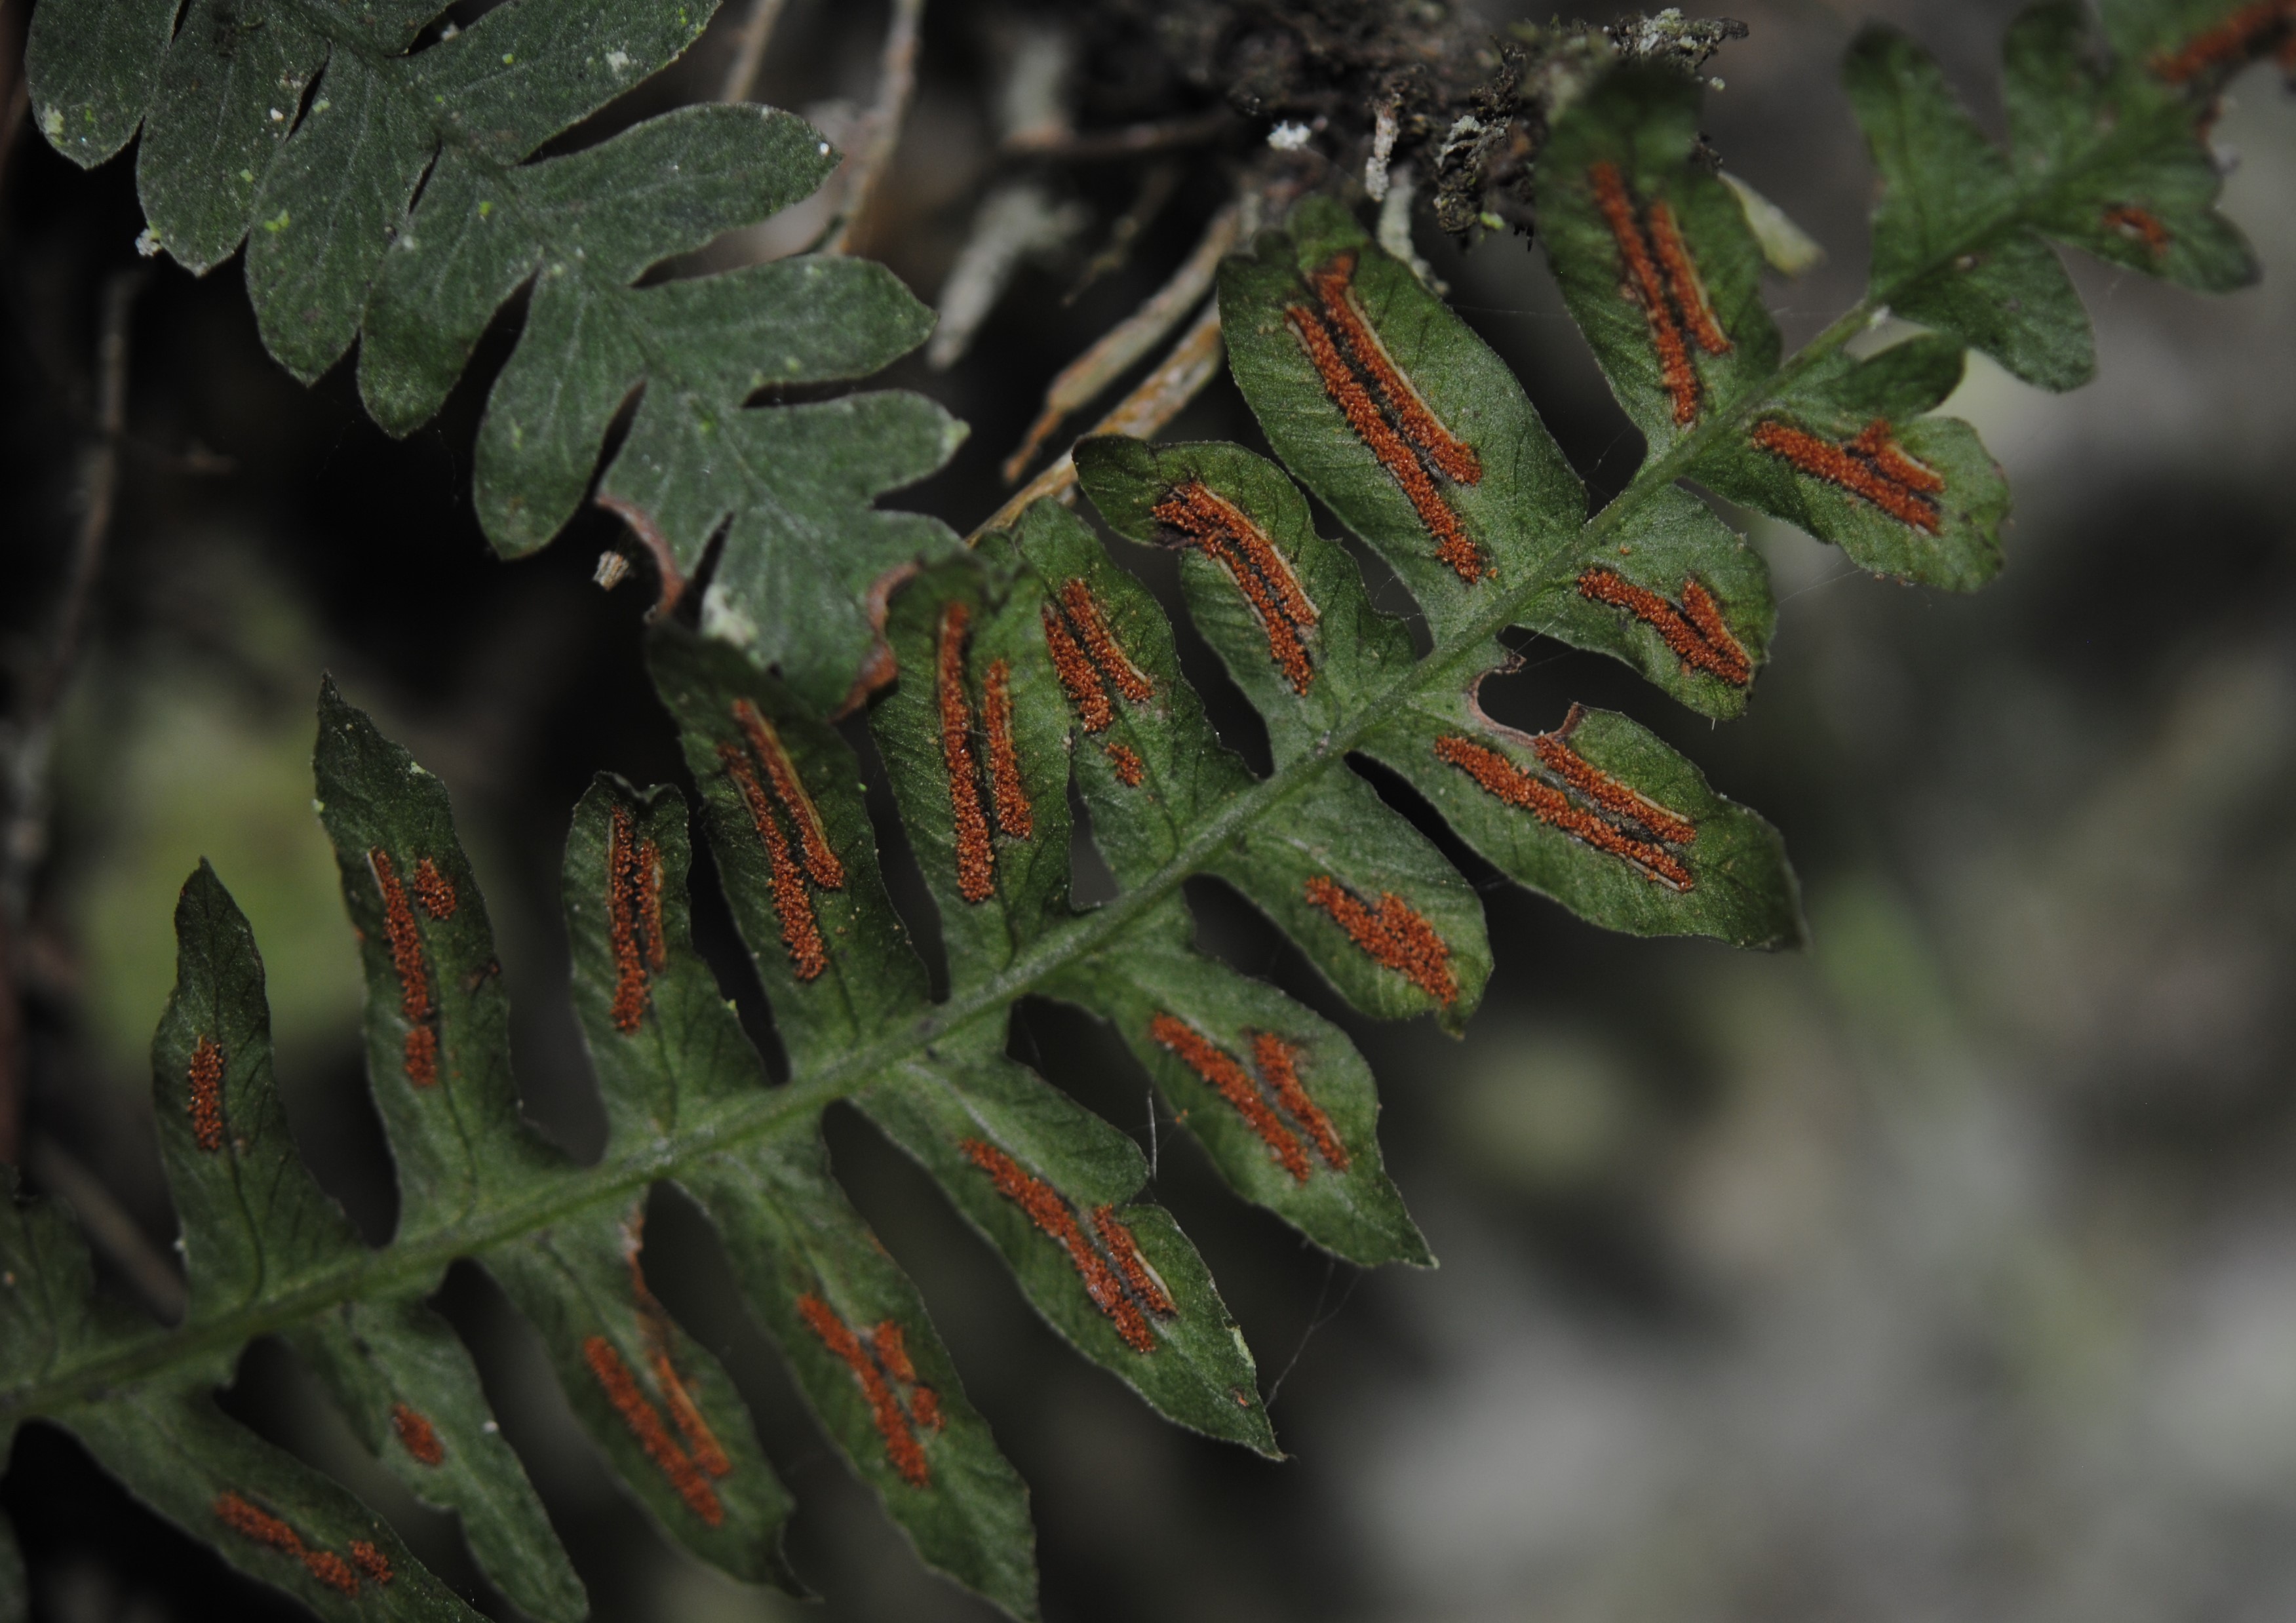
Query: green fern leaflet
1031, 666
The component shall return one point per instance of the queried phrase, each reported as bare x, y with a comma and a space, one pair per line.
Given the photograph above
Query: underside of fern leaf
1029, 667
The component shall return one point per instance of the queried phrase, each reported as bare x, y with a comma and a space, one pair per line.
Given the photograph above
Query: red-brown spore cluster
2268, 25
1453, 544
1090, 664
1130, 770
1394, 933
1872, 466
1259, 572
1334, 287
435, 891
417, 1435
1007, 793
1108, 1283
791, 867
1700, 638
976, 857
881, 1363
251, 1520
204, 1085
1636, 831
633, 918
1666, 283
419, 1053
685, 1476
2141, 223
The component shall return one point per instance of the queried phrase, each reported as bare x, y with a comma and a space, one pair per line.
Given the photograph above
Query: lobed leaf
402, 208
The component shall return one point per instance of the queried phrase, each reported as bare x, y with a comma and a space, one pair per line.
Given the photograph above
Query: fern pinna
1027, 667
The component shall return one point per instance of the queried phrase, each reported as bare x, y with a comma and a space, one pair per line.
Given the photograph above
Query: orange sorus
1279, 1065
1138, 1276
892, 1421
1050, 1211
417, 1435
1394, 933
206, 1103
633, 918
419, 1056
2141, 223
892, 1349
1015, 820
406, 940
1259, 572
1335, 290
371, 1561
1836, 466
1232, 1082
251, 1520
1077, 672
1502, 778
1606, 791
1092, 630
1452, 542
1129, 768
1696, 631
645, 1425
1675, 369
976, 858
1683, 280
821, 865
2243, 35
434, 890
1877, 445
700, 1441
793, 904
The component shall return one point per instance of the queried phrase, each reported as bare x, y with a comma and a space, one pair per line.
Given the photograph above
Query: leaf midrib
412, 1262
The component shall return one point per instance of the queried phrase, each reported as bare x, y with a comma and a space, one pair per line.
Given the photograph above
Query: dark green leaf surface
1341, 833
458, 1136
657, 1404
792, 1235
1352, 1211
404, 1381
1951, 247
254, 1220
1194, 1368
93, 65
1524, 514
2128, 176
268, 1514
1739, 886
1641, 126
870, 975
340, 246
50, 1316
663, 1061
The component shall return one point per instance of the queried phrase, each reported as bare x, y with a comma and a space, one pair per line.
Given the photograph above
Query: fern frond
385, 185
1028, 667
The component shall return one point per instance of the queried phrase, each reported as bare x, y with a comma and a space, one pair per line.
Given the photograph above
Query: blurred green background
1944, 1271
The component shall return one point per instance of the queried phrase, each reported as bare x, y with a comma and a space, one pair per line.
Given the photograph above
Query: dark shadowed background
1945, 1270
